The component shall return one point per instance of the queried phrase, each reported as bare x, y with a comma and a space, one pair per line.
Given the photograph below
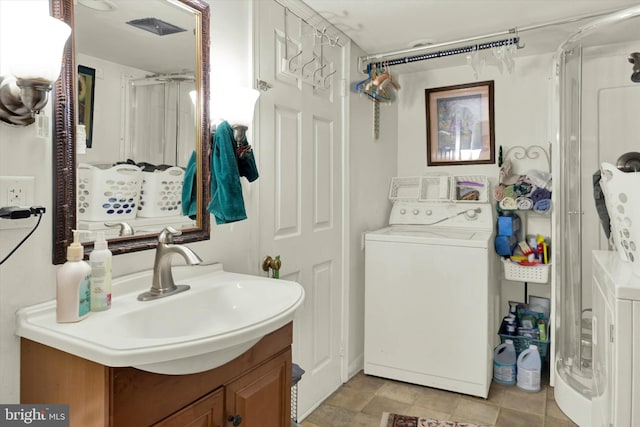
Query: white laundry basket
161, 193
108, 193
623, 205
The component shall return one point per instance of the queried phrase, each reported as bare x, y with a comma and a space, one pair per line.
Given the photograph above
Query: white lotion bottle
100, 262
73, 300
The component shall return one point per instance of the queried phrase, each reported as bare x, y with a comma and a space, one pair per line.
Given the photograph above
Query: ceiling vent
156, 26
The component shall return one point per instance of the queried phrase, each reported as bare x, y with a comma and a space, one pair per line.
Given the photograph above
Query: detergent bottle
529, 367
504, 363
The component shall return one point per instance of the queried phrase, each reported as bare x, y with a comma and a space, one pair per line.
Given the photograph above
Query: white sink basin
220, 317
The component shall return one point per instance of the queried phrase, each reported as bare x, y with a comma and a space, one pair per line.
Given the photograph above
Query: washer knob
428, 212
472, 214
416, 211
403, 211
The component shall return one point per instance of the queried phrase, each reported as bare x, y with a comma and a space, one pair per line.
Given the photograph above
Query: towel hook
291, 69
315, 73
324, 82
305, 66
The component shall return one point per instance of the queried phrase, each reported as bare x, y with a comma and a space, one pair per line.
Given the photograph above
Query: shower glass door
570, 363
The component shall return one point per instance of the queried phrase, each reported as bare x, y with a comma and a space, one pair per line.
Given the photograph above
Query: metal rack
535, 157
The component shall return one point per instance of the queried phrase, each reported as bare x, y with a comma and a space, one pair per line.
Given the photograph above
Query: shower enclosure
597, 113
160, 115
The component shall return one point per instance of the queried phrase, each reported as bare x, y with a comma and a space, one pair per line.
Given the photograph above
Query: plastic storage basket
623, 205
108, 193
522, 343
161, 193
463, 186
526, 273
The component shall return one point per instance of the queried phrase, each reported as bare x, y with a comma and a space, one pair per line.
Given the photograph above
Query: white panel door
300, 157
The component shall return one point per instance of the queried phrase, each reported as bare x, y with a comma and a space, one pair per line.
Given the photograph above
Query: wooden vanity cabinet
206, 412
253, 390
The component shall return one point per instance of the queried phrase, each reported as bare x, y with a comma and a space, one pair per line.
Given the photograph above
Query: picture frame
460, 124
86, 93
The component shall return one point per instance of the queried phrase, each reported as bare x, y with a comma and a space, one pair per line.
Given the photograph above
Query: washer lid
618, 276
430, 235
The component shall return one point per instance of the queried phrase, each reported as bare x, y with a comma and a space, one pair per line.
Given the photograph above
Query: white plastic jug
529, 367
504, 363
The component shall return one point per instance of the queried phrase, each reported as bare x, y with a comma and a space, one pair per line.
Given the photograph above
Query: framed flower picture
460, 128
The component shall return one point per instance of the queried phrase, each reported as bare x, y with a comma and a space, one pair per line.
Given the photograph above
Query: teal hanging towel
227, 203
189, 188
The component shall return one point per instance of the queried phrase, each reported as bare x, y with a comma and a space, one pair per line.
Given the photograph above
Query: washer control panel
464, 215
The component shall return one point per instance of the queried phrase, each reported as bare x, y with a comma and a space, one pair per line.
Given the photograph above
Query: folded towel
521, 188
227, 203
508, 204
542, 205
540, 194
189, 188
509, 192
539, 178
524, 203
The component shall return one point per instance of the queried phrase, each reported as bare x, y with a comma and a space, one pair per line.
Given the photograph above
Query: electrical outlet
17, 191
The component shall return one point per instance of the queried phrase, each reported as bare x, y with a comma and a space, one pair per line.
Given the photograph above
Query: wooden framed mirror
65, 119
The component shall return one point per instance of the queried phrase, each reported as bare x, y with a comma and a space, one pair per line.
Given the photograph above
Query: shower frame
568, 373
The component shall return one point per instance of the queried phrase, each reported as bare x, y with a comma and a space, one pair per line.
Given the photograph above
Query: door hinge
263, 85
611, 333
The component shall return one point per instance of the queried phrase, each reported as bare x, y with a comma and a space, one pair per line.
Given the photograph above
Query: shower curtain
161, 119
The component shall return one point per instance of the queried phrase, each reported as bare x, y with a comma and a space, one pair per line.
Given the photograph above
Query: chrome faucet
125, 228
162, 284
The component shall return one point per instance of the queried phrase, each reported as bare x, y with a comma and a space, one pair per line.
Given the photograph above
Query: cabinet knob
235, 420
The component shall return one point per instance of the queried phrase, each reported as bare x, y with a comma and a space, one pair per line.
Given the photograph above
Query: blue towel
189, 189
227, 203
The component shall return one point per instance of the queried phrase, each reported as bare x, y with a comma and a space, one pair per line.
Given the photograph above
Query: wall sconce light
236, 106
31, 61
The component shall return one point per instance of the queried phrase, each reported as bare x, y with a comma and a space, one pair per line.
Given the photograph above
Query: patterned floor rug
395, 420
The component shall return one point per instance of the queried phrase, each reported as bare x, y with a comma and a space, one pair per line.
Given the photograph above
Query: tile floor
361, 401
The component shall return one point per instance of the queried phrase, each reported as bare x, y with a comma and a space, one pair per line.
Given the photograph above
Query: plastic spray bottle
100, 262
72, 285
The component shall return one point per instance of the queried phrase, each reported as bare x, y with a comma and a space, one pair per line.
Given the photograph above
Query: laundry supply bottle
73, 296
100, 262
529, 367
504, 363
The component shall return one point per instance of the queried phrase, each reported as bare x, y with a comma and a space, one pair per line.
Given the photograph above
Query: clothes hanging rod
380, 57
446, 52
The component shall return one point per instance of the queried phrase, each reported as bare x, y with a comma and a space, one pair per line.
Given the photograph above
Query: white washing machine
431, 298
616, 342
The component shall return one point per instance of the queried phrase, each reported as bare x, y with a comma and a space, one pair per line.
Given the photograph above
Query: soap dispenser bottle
73, 299
100, 263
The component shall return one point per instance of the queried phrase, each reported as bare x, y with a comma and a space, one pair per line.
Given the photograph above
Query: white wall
107, 136
609, 129
371, 165
522, 103
28, 277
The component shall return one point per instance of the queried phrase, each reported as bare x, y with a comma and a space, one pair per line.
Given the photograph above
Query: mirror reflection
137, 110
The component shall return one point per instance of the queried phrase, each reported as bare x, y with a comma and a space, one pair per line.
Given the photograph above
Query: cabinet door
206, 412
261, 397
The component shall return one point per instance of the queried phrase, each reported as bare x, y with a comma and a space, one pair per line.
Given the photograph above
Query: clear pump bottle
100, 262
